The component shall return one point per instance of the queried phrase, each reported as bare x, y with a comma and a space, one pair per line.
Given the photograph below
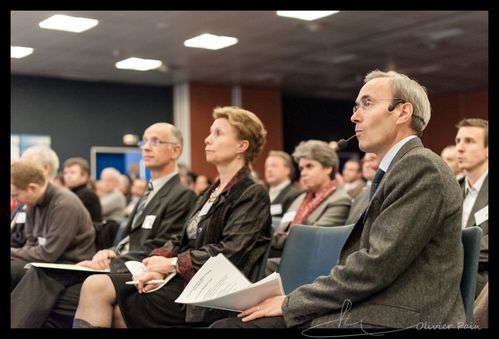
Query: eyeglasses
154, 142
366, 104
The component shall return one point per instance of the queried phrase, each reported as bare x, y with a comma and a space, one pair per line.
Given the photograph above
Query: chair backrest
309, 252
471, 248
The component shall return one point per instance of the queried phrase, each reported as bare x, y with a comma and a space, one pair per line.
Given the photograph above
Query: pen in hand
136, 282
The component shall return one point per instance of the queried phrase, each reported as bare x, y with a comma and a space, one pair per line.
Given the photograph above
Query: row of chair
312, 251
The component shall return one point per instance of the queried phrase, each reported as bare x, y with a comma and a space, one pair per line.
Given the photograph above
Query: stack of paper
219, 284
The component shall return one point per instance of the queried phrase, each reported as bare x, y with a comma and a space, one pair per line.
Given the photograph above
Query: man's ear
405, 113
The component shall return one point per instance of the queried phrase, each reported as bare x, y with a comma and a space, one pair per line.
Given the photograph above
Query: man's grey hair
411, 91
43, 155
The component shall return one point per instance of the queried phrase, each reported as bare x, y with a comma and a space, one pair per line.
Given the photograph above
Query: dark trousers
272, 322
17, 272
44, 292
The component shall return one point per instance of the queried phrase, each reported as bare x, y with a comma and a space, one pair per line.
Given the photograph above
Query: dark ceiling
447, 51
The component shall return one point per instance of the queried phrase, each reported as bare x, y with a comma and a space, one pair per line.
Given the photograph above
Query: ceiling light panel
306, 15
18, 52
68, 23
138, 64
210, 41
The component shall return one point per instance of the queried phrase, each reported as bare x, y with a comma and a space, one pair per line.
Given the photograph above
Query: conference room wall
80, 114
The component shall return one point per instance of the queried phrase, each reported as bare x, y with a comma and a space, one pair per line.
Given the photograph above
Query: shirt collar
478, 184
387, 159
161, 181
280, 187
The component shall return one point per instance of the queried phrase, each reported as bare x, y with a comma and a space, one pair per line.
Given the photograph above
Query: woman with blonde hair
231, 217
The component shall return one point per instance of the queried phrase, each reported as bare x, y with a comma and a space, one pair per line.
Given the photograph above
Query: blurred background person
201, 183
370, 164
352, 176
449, 154
279, 172
76, 176
113, 201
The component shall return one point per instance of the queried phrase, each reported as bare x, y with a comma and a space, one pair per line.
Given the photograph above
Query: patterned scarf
311, 201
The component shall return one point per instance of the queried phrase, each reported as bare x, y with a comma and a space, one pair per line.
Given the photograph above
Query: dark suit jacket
402, 263
171, 207
285, 198
481, 201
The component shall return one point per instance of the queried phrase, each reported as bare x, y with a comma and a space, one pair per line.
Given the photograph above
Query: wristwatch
174, 263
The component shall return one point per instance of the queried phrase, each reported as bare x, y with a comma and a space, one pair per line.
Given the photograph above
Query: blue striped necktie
376, 181
141, 205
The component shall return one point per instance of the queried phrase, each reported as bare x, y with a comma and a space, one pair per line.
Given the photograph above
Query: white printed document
219, 284
137, 268
70, 267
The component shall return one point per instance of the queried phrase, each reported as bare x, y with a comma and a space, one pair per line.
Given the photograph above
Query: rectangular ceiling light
138, 64
18, 52
210, 41
306, 15
68, 23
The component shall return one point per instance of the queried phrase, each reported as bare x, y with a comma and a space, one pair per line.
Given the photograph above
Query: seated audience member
370, 164
278, 174
449, 154
201, 183
158, 217
138, 189
76, 175
231, 217
124, 187
58, 227
322, 204
59, 180
49, 161
113, 202
186, 176
404, 247
352, 176
472, 142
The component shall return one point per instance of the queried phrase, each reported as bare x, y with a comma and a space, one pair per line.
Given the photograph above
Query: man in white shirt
472, 142
352, 173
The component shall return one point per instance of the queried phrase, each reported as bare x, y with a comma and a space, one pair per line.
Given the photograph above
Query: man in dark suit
370, 164
401, 266
472, 143
160, 217
278, 175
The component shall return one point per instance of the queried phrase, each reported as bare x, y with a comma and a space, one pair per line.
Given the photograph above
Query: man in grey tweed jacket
402, 263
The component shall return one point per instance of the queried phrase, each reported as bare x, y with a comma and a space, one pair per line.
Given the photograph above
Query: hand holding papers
137, 268
219, 284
